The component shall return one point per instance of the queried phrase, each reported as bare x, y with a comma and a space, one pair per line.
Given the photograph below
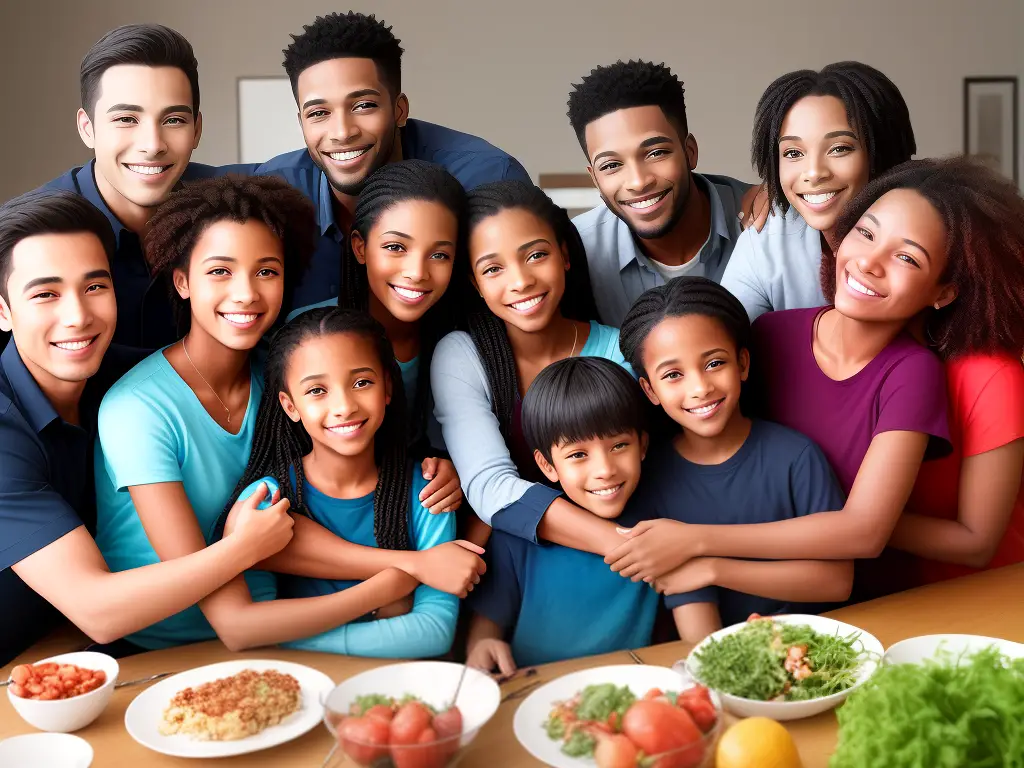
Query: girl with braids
819, 137
529, 268
332, 430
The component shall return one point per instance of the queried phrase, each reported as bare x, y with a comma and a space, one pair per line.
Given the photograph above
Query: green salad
594, 704
772, 661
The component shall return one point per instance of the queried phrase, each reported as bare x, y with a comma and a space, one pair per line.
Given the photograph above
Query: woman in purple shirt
850, 377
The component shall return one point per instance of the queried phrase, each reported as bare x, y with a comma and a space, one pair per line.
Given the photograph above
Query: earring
937, 305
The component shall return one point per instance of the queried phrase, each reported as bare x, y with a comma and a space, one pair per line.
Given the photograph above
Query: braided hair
488, 332
983, 213
874, 107
279, 443
393, 184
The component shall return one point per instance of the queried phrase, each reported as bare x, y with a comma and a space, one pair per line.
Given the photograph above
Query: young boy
584, 419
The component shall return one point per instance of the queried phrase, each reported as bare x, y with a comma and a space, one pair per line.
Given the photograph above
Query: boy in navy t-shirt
584, 419
687, 341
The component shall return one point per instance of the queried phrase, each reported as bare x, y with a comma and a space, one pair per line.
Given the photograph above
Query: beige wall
502, 69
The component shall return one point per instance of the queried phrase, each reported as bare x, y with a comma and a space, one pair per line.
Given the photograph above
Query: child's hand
754, 208
444, 491
400, 607
264, 532
692, 575
454, 567
490, 653
651, 549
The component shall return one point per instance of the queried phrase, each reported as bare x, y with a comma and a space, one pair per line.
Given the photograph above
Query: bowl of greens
915, 650
784, 667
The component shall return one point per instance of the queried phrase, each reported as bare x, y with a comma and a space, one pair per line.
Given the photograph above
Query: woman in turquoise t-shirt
332, 431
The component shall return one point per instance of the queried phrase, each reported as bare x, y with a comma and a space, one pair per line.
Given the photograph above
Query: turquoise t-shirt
153, 429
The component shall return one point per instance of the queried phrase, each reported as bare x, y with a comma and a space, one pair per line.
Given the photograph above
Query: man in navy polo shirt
57, 300
346, 74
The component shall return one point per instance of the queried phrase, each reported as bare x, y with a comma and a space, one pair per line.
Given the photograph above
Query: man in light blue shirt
659, 219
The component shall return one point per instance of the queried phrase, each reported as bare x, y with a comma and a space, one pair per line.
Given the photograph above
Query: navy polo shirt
145, 318
46, 485
469, 159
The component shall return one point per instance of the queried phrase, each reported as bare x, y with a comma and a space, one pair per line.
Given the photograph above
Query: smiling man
660, 219
346, 74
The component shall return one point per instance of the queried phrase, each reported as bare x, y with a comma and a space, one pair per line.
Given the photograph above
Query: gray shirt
620, 272
777, 268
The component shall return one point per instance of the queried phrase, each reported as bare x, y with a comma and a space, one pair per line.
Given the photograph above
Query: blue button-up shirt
619, 270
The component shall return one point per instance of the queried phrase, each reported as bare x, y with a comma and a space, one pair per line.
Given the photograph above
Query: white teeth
523, 306
344, 430
648, 202
702, 410
607, 491
819, 199
342, 156
406, 293
240, 319
73, 346
859, 287
148, 170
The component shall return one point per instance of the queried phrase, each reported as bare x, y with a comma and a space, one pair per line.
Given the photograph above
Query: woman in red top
966, 511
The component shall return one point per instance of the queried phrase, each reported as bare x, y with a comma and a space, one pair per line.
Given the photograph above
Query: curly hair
984, 218
874, 106
180, 221
344, 36
622, 85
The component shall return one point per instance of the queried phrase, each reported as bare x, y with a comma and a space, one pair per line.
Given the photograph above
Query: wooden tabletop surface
985, 604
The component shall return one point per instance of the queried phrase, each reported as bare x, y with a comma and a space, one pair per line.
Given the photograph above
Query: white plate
145, 713
794, 710
914, 650
45, 750
533, 712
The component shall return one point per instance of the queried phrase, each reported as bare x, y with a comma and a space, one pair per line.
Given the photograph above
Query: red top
986, 411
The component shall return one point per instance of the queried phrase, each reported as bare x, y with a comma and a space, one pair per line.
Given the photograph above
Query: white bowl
793, 710
914, 650
66, 715
45, 750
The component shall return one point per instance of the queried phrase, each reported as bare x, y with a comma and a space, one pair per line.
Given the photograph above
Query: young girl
819, 137
529, 268
334, 436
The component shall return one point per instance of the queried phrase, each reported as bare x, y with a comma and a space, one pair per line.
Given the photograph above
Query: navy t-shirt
777, 474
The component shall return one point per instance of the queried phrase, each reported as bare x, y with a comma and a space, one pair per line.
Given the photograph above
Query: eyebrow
643, 145
311, 376
233, 260
667, 363
830, 135
137, 108
93, 275
353, 95
714, 351
520, 249
906, 240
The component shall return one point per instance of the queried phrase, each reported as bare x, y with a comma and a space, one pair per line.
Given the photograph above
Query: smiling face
518, 268
349, 120
641, 166
822, 162
890, 266
409, 254
60, 306
337, 387
234, 283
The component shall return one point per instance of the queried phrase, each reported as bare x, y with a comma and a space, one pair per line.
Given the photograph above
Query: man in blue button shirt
57, 300
346, 73
660, 219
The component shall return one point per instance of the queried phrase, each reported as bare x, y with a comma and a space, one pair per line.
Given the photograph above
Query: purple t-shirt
902, 389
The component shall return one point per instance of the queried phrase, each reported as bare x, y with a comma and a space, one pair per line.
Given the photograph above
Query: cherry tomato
425, 753
657, 728
409, 722
364, 739
381, 712
615, 752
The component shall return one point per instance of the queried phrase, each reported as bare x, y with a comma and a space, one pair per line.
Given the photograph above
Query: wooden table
985, 604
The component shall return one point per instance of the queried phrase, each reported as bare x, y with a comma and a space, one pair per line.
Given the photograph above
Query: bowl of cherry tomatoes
403, 715
63, 693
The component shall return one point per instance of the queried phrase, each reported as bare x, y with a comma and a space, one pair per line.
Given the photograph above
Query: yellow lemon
757, 742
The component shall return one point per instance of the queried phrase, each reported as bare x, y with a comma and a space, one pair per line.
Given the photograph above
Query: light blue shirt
619, 270
153, 429
428, 629
777, 268
464, 407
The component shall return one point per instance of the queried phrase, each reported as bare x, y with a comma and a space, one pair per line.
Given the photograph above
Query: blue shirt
777, 268
777, 474
428, 629
619, 270
468, 158
153, 429
559, 603
46, 485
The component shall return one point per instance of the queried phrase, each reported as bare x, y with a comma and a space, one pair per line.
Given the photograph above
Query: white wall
502, 69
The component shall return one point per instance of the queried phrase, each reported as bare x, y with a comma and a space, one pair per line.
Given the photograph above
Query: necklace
575, 338
187, 357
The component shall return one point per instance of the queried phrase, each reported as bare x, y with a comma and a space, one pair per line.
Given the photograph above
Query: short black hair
579, 398
874, 107
48, 212
622, 85
678, 298
148, 45
346, 36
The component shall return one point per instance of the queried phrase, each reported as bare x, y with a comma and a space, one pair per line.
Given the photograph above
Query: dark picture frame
991, 123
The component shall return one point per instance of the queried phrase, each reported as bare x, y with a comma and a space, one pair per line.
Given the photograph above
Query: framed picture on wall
990, 122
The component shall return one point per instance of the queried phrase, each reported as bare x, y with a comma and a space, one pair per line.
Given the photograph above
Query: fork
519, 693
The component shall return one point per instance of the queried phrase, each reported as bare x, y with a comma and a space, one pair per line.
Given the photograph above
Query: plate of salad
620, 717
784, 667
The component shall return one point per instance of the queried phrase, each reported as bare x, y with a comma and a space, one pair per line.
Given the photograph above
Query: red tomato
697, 702
409, 722
615, 752
696, 692
654, 693
425, 753
364, 739
381, 712
448, 725
657, 728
